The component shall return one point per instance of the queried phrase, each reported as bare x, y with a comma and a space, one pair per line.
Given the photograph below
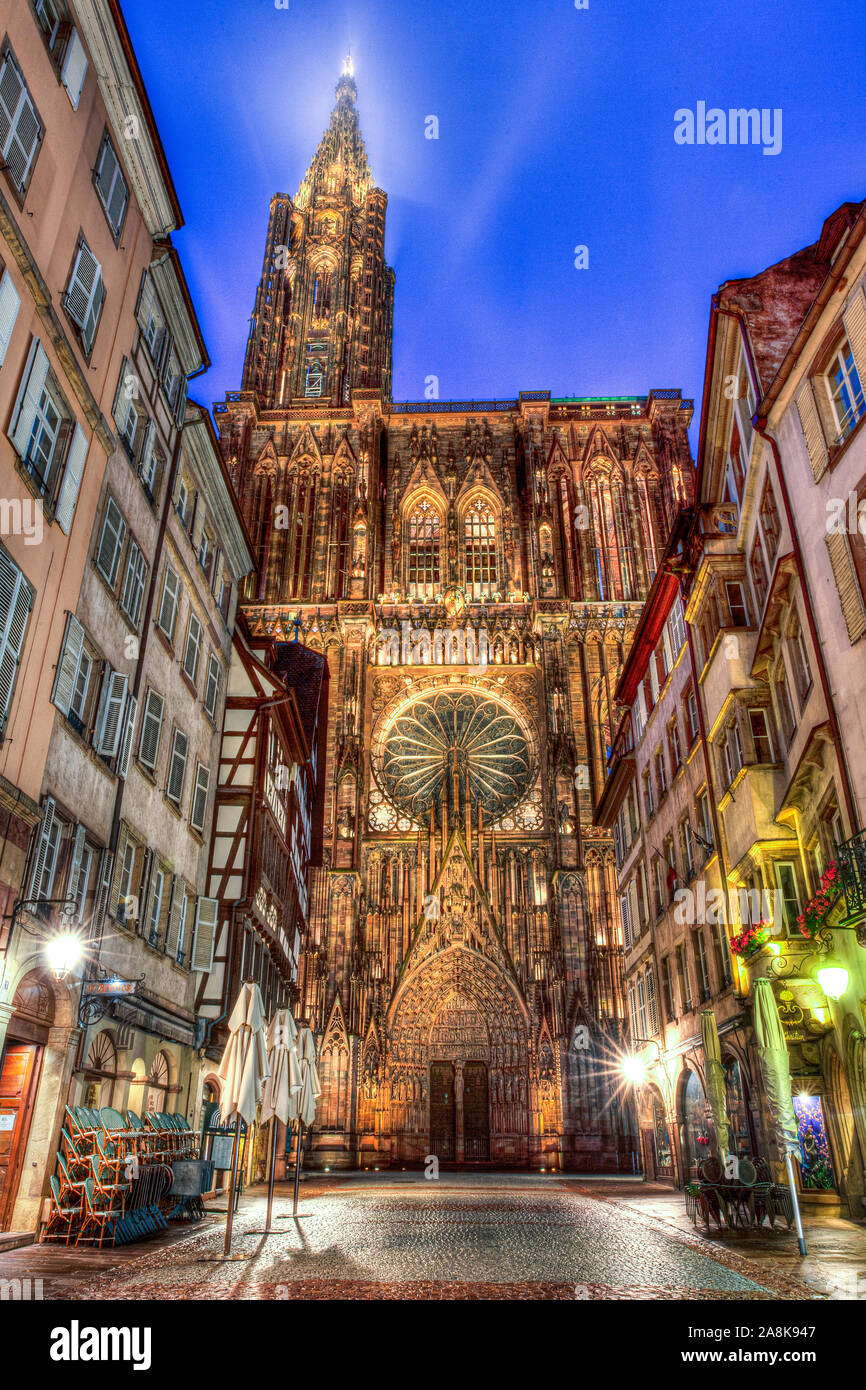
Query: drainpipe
760, 423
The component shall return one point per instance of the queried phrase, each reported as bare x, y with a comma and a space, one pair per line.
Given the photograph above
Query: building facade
676, 918
473, 573
776, 609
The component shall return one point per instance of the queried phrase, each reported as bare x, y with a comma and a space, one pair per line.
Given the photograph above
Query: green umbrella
715, 1074
776, 1073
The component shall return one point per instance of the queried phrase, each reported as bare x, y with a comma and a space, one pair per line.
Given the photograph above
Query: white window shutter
108, 728
16, 600
74, 68
128, 736
854, 319
151, 729
32, 386
206, 916
850, 595
808, 412
84, 286
106, 866
20, 128
172, 937
41, 843
71, 480
77, 856
11, 91
10, 302
67, 666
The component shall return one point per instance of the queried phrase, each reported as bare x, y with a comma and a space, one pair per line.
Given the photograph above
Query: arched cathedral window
424, 541
321, 294
479, 532
340, 558
302, 514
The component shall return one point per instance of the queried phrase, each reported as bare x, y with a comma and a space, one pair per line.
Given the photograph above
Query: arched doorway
158, 1081
20, 1069
662, 1149
740, 1134
694, 1133
100, 1072
843, 1138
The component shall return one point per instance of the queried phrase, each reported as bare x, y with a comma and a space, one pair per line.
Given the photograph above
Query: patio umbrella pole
298, 1167
273, 1171
798, 1222
230, 1215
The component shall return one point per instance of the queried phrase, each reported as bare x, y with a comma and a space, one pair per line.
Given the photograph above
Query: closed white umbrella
282, 1089
776, 1073
311, 1089
715, 1074
243, 1072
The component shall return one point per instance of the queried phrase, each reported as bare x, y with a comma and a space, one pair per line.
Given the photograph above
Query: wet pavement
400, 1236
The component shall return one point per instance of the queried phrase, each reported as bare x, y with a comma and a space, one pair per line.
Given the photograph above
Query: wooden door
442, 1111
476, 1121
17, 1073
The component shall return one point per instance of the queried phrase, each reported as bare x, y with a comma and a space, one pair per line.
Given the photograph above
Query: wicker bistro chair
67, 1181
99, 1217
61, 1214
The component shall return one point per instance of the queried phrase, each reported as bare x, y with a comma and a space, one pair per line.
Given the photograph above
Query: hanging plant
811, 919
751, 940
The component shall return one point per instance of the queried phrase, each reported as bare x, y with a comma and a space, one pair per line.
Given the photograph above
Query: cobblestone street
462, 1237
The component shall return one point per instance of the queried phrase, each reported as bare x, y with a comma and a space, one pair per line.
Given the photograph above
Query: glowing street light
634, 1070
833, 978
63, 953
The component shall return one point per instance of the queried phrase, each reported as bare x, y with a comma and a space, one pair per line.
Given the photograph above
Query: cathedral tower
473, 572
323, 319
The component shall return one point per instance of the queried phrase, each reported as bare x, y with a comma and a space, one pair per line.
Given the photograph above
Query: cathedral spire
341, 157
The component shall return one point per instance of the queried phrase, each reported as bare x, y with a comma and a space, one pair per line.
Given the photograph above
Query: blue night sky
556, 128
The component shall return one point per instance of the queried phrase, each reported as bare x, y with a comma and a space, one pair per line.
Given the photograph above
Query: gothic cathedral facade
473, 572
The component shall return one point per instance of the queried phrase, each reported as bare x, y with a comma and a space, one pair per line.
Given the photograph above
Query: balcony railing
851, 857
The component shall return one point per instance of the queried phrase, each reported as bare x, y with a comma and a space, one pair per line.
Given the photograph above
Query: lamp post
635, 1070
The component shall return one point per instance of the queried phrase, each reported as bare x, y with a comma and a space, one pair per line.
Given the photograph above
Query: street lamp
63, 953
634, 1070
832, 976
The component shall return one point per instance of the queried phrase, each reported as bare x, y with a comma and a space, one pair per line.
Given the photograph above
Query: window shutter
85, 294
169, 604
75, 866
108, 727
206, 915
94, 312
651, 1001
112, 186
808, 413
113, 898
133, 588
151, 728
213, 686
67, 666
110, 542
199, 797
128, 735
177, 766
850, 595
41, 845
71, 480
16, 599
10, 302
193, 646
74, 68
32, 386
854, 319
172, 938
106, 866
20, 129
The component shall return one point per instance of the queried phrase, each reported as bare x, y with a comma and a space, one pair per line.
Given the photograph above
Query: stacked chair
114, 1176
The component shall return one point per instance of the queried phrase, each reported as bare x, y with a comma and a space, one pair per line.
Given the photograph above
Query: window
111, 543
206, 549
152, 464
110, 716
667, 989
677, 628
479, 533
846, 392
769, 518
706, 823
648, 796
74, 69
700, 948
737, 604
20, 128
723, 955
674, 746
758, 571
786, 881
688, 849
192, 651
183, 501
177, 767
732, 753
51, 445
111, 185
49, 850
692, 715
80, 870
173, 382
156, 895
74, 672
169, 603
126, 910
199, 798
85, 294
783, 703
683, 978
761, 736
212, 690
424, 534
661, 773
16, 601
133, 584
151, 729
800, 667
151, 321
48, 19
625, 916
315, 379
